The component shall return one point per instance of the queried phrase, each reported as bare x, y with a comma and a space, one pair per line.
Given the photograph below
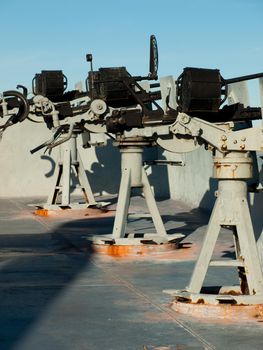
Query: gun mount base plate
79, 210
130, 246
228, 305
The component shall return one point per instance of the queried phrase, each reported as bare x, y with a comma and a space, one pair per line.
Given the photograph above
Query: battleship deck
57, 293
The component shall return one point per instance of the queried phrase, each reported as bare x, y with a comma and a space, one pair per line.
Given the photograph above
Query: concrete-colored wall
24, 174
192, 183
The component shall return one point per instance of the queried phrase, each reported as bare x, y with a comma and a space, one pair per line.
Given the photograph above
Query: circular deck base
133, 250
221, 312
73, 213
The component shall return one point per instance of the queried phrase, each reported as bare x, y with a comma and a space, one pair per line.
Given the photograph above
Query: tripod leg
151, 203
84, 182
66, 177
248, 248
120, 221
206, 253
55, 183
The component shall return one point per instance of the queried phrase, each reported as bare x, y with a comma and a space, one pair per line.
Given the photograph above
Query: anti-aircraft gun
226, 130
115, 102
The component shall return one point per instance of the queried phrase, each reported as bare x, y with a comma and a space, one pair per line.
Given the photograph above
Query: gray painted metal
134, 176
232, 166
231, 210
69, 162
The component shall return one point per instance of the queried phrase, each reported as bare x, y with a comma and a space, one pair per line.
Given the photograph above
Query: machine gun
201, 92
134, 106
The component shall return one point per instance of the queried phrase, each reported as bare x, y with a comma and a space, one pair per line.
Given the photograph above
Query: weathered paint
75, 213
222, 312
125, 251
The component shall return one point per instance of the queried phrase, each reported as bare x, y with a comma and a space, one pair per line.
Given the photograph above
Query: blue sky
57, 34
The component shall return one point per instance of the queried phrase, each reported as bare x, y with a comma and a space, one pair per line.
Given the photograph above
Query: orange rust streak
88, 213
122, 251
41, 212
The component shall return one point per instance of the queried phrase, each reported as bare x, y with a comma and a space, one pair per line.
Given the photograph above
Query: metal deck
55, 293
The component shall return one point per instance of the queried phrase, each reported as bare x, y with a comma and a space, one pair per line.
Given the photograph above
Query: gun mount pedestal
134, 177
69, 167
230, 212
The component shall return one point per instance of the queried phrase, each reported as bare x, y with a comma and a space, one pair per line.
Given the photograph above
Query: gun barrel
243, 78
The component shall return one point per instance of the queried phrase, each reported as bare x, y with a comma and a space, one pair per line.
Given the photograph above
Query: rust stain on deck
221, 313
138, 250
